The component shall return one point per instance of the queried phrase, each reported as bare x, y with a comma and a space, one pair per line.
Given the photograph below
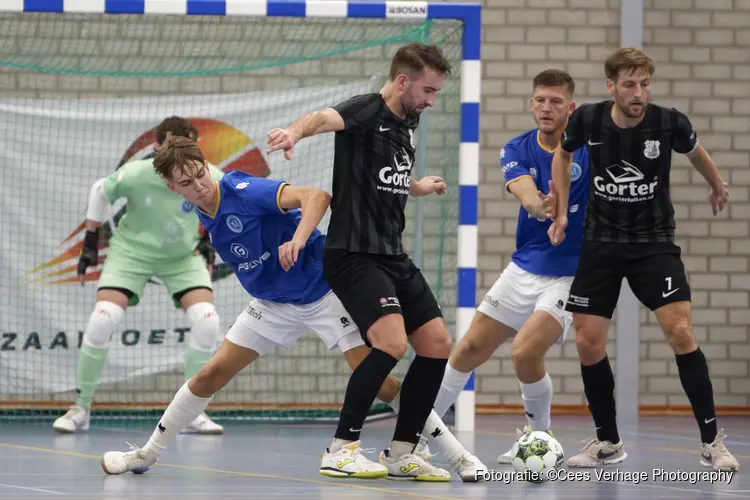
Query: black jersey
629, 199
373, 158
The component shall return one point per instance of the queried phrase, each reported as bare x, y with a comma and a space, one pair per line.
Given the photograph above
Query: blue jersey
524, 156
247, 230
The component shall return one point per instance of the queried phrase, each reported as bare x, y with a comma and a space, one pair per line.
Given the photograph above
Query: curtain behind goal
80, 94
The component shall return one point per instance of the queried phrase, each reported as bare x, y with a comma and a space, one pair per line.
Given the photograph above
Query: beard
631, 113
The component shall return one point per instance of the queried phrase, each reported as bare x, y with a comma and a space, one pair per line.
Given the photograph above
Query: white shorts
518, 293
264, 325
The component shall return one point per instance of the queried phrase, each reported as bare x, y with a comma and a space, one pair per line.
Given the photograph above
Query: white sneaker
717, 456
136, 461
596, 453
506, 458
76, 419
350, 462
411, 467
203, 425
468, 467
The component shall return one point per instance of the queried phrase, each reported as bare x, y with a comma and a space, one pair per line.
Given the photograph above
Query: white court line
40, 490
692, 490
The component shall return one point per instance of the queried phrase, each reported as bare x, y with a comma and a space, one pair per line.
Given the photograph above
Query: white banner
51, 151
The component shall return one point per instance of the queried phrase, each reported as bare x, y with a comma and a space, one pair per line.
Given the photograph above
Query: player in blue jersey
276, 252
527, 302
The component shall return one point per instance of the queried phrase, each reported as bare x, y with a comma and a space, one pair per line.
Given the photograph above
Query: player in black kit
364, 262
629, 233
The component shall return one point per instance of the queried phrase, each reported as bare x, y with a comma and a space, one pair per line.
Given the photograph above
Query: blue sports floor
281, 461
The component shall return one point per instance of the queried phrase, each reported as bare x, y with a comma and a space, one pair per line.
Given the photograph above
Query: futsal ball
534, 454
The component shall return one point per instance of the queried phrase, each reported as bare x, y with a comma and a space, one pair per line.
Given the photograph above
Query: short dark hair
412, 59
177, 153
554, 78
628, 59
177, 126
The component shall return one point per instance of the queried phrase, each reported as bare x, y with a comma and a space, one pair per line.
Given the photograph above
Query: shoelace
719, 446
589, 443
358, 453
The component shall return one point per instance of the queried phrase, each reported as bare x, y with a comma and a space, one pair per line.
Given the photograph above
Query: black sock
599, 386
363, 387
695, 380
418, 392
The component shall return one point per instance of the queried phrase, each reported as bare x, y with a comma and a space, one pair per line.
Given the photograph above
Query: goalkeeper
158, 236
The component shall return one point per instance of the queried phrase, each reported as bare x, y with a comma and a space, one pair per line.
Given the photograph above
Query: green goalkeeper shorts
122, 271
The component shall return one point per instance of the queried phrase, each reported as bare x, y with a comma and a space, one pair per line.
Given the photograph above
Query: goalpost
90, 74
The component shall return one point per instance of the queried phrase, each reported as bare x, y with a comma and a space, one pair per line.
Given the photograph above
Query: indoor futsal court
282, 461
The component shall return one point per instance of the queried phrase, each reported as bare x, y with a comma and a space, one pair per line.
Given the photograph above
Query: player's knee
102, 324
590, 345
680, 337
396, 346
204, 326
443, 344
524, 353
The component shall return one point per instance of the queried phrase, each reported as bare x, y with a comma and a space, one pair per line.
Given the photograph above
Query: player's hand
89, 254
432, 184
289, 253
549, 202
719, 197
556, 231
206, 250
281, 139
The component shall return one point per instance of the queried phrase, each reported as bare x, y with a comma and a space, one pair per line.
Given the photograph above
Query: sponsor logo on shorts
577, 300
345, 321
489, 300
560, 304
254, 313
389, 302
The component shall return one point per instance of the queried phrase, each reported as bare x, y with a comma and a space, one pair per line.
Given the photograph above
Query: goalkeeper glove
206, 250
89, 255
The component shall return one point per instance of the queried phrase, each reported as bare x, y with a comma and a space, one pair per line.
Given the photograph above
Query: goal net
80, 94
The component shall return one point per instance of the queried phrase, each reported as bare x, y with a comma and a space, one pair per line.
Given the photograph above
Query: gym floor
281, 461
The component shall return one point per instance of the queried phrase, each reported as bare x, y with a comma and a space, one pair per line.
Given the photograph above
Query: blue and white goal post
468, 13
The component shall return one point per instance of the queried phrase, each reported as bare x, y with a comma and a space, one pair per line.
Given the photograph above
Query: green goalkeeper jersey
158, 225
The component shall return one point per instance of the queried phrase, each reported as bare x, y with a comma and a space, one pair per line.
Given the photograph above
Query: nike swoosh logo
354, 430
383, 129
665, 294
601, 455
708, 421
595, 143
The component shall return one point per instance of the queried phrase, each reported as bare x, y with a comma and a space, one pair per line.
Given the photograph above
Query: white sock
454, 382
537, 401
396, 403
184, 408
337, 444
436, 431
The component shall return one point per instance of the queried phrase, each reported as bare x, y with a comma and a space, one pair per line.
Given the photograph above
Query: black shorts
371, 286
654, 272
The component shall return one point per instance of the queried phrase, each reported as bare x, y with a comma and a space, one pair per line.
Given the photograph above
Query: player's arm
520, 183
353, 114
533, 201
685, 141
95, 213
562, 164
316, 122
314, 202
